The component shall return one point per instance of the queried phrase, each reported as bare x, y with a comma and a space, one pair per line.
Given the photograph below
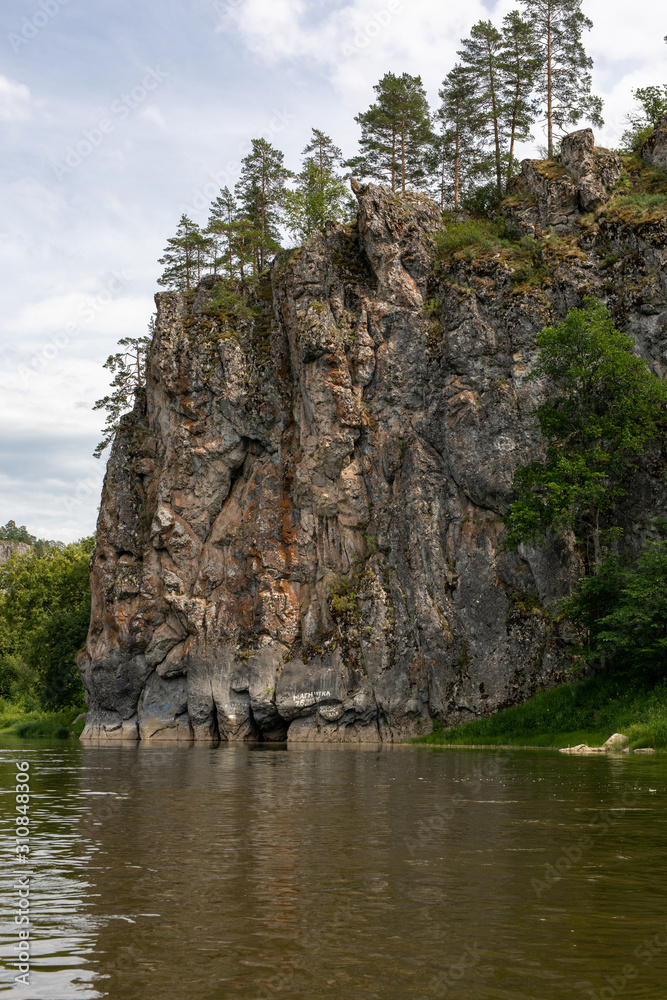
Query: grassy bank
16, 721
586, 711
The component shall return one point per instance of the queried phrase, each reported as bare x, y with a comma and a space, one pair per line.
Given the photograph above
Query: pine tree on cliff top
260, 191
220, 229
481, 59
184, 256
129, 370
520, 61
395, 133
564, 79
457, 146
320, 193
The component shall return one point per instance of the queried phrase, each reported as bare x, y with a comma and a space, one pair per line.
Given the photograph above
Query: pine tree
320, 194
182, 257
481, 56
220, 231
519, 61
129, 370
395, 132
260, 191
456, 147
564, 79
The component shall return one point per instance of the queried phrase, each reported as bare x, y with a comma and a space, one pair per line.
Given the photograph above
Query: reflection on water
261, 872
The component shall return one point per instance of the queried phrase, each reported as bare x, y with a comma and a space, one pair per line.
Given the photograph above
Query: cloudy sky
118, 115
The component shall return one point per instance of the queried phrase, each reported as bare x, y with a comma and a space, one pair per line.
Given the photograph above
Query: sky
116, 116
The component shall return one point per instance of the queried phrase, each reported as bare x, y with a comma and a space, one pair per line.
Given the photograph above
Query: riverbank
16, 721
585, 711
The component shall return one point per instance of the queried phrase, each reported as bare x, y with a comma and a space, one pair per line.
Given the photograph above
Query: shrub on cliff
603, 408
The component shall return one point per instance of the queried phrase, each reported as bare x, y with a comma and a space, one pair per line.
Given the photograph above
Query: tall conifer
182, 257
564, 79
457, 148
481, 56
260, 190
395, 132
519, 61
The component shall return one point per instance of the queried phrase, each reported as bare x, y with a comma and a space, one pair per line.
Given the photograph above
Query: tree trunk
515, 114
403, 154
456, 167
550, 114
495, 113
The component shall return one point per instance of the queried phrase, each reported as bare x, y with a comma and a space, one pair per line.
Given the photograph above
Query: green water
256, 872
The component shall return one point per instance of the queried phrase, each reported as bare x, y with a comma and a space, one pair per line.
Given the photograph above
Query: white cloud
14, 101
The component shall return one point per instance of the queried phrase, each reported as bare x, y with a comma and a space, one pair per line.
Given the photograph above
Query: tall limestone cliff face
301, 527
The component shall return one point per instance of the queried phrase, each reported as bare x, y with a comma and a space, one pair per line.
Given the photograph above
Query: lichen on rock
301, 530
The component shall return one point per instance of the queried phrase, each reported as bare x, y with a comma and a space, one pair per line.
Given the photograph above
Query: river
253, 872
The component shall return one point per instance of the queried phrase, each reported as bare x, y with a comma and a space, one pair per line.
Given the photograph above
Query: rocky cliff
301, 527
9, 549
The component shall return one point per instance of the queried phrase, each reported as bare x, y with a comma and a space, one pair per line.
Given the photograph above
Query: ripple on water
245, 871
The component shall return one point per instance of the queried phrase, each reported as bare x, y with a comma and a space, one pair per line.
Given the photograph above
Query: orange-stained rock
301, 529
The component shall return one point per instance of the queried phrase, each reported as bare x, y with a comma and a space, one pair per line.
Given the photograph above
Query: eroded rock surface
301, 527
655, 148
579, 180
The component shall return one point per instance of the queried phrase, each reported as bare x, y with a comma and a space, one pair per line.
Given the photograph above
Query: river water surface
253, 872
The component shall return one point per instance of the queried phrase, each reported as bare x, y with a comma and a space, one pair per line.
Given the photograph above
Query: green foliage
260, 191
620, 611
563, 82
474, 237
481, 59
320, 194
44, 616
129, 370
11, 533
457, 154
343, 600
586, 711
470, 235
604, 407
519, 64
229, 299
395, 133
651, 103
56, 725
185, 256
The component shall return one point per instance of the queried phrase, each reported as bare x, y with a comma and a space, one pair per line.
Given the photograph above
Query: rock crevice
301, 528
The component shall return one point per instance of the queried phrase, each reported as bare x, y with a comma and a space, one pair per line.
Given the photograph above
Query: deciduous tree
603, 407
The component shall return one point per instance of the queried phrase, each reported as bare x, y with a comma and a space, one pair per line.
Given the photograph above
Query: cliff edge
301, 526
